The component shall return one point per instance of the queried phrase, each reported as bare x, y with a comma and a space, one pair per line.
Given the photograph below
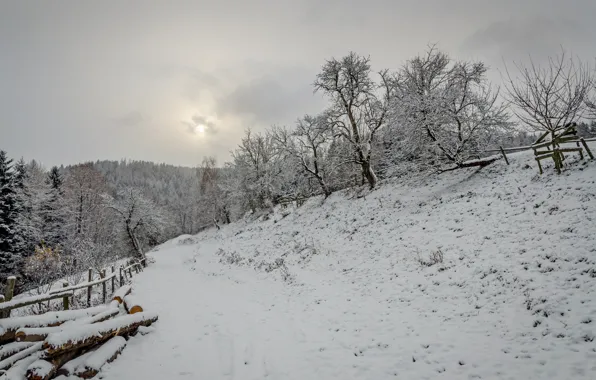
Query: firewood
79, 337
19, 369
103, 316
10, 349
9, 327
69, 368
107, 353
6, 363
35, 334
40, 370
131, 305
122, 292
47, 368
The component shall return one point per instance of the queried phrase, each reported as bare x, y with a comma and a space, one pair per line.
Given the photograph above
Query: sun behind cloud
200, 128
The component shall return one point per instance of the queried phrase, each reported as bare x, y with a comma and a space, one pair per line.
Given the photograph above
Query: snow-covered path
213, 325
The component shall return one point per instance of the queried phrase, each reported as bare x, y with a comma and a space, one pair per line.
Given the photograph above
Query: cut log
131, 305
35, 334
121, 293
144, 330
6, 363
40, 370
103, 316
71, 367
78, 337
12, 348
8, 327
46, 368
19, 369
103, 355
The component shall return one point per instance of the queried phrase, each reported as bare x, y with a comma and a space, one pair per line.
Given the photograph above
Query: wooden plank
504, 155
583, 141
567, 140
542, 157
542, 145
569, 150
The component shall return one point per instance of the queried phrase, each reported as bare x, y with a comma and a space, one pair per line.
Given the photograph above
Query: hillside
345, 289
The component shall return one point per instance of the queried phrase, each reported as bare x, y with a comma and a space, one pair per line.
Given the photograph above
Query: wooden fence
66, 292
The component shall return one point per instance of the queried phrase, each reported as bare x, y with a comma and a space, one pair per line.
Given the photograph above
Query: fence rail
67, 292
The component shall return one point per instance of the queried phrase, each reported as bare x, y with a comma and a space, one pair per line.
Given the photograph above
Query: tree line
434, 111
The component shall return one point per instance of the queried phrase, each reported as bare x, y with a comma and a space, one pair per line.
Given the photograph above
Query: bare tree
359, 105
308, 143
548, 98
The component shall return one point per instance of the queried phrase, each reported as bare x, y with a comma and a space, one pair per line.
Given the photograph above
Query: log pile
71, 343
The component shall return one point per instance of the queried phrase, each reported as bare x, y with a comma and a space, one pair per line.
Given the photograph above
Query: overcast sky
82, 80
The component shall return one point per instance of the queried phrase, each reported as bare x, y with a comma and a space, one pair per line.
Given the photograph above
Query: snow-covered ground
513, 298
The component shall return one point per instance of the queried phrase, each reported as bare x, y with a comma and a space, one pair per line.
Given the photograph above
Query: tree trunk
369, 174
135, 242
102, 333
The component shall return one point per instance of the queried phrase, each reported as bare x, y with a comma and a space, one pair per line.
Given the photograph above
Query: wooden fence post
113, 280
586, 147
104, 286
65, 299
504, 155
89, 279
8, 294
121, 276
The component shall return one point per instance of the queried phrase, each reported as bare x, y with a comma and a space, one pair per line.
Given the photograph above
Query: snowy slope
337, 290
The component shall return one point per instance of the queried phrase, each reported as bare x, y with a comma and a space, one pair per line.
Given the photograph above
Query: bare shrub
231, 258
435, 257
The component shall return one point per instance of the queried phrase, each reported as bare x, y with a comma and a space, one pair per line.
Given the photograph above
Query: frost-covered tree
140, 221
254, 166
54, 211
546, 98
10, 241
445, 104
358, 106
308, 144
212, 198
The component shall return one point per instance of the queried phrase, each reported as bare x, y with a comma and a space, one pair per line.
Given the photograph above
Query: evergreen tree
24, 208
9, 240
53, 210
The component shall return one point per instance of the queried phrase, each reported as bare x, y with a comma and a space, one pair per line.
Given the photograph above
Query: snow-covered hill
347, 289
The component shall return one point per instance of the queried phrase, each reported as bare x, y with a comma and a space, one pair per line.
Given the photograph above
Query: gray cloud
208, 126
268, 100
538, 36
130, 119
67, 67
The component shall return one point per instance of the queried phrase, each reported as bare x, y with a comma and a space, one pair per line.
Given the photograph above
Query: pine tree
24, 209
54, 229
9, 240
